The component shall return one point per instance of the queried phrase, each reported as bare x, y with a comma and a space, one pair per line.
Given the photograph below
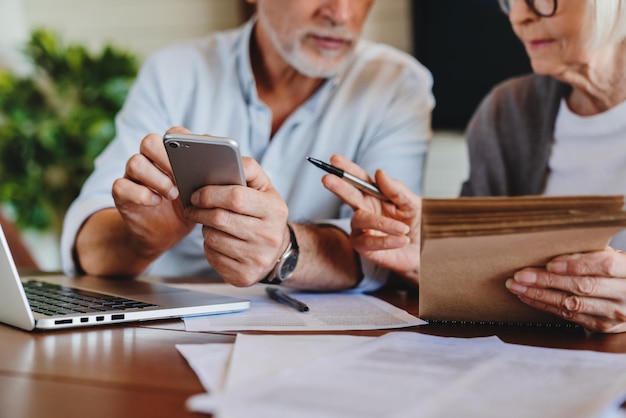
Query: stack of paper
402, 375
470, 246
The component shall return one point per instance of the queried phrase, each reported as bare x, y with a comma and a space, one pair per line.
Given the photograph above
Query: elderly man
292, 82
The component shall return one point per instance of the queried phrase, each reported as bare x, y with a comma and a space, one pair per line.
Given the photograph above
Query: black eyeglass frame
531, 5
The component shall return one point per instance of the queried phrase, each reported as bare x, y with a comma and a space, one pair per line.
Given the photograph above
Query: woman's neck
599, 86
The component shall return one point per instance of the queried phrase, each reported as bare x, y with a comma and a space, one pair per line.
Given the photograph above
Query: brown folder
470, 246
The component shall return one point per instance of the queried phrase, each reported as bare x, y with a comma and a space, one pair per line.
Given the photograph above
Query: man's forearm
103, 247
327, 260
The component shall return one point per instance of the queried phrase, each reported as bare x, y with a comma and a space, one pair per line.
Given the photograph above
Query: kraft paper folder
470, 246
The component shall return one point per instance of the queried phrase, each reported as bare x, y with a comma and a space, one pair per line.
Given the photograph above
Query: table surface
133, 371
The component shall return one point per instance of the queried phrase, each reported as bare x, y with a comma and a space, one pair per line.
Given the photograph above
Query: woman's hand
588, 289
387, 233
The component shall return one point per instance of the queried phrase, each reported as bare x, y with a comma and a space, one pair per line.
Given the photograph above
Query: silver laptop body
129, 300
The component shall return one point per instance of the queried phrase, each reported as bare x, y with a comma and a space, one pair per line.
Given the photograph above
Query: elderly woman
559, 131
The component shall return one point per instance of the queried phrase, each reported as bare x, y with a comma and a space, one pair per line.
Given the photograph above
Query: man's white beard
311, 66
295, 54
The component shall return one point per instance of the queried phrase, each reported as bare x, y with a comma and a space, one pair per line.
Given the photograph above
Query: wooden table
133, 371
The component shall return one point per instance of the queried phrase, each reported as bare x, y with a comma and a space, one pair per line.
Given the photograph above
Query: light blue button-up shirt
375, 112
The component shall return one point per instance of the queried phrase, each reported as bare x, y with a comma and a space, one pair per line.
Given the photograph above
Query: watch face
288, 265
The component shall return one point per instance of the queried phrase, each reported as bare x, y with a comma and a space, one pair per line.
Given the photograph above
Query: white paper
414, 375
259, 357
209, 361
256, 357
328, 312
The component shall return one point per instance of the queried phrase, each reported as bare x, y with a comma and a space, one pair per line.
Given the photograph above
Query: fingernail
525, 277
557, 266
402, 229
515, 287
173, 193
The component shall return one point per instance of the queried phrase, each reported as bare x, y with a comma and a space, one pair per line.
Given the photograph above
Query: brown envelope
464, 267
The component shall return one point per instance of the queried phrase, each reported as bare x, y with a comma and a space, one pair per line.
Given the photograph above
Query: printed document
339, 311
253, 358
405, 374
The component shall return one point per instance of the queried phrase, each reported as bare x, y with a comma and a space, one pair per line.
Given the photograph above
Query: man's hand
146, 197
245, 228
147, 220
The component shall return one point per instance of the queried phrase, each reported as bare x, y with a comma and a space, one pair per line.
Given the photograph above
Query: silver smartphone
202, 160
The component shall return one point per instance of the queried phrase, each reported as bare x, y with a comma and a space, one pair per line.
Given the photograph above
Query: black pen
360, 184
280, 296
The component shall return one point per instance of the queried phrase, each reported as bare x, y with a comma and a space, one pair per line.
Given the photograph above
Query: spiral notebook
470, 246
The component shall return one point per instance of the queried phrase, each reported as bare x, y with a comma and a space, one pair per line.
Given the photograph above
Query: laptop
53, 301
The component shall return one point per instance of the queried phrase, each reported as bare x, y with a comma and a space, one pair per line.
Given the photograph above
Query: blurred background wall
145, 25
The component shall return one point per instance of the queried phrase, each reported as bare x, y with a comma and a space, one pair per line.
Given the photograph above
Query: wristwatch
286, 263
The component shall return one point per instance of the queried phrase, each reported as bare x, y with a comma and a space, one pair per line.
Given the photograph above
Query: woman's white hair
608, 22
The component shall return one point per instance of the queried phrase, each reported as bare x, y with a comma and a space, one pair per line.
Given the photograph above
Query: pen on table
362, 185
280, 296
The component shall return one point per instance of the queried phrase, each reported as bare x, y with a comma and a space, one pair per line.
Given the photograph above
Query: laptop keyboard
52, 299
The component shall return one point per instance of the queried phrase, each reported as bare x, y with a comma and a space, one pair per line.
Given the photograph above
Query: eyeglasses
543, 8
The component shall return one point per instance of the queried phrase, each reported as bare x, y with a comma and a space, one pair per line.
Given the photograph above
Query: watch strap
273, 277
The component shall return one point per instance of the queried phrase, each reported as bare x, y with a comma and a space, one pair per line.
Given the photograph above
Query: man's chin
325, 67
318, 73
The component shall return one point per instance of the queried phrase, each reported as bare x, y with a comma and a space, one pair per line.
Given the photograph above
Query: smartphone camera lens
174, 145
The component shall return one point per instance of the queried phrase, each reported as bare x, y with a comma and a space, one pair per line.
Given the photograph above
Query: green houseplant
54, 122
